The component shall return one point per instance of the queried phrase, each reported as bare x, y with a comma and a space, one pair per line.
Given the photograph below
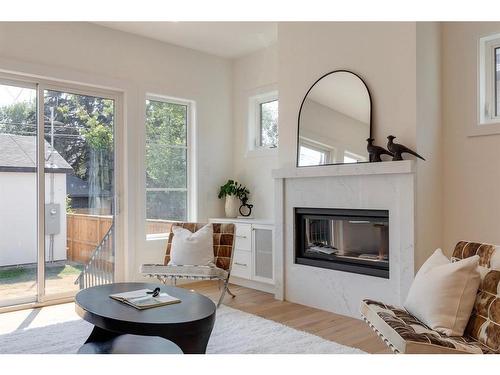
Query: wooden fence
85, 232
158, 226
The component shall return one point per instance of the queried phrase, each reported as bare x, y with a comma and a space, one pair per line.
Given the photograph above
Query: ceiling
224, 39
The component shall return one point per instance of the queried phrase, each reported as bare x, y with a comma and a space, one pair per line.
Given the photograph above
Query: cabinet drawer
243, 235
242, 264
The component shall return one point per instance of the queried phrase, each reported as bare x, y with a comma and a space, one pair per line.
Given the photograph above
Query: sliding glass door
79, 191
57, 191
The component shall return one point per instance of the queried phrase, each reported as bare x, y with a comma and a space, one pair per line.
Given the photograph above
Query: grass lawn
58, 270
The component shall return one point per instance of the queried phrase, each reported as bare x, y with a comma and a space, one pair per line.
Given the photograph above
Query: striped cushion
484, 323
406, 334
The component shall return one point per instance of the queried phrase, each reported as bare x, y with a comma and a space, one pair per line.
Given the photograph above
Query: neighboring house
78, 190
18, 200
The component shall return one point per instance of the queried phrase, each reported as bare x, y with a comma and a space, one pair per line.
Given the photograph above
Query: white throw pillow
443, 293
193, 249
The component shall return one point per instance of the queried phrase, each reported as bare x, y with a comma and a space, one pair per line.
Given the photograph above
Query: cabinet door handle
240, 264
239, 236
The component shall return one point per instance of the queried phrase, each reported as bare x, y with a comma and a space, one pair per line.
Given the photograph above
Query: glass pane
309, 156
349, 159
79, 190
264, 253
166, 166
18, 195
166, 123
269, 124
497, 81
166, 205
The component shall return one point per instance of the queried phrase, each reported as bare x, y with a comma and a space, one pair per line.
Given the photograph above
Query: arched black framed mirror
335, 119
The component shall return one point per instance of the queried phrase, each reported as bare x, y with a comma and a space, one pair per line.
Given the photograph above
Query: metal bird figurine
398, 149
375, 151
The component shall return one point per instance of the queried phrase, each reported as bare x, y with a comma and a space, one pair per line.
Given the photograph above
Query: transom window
263, 117
167, 163
268, 127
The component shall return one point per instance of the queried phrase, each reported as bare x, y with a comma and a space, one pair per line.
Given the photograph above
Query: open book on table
140, 299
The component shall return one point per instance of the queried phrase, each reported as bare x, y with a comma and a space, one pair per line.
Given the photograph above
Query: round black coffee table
188, 323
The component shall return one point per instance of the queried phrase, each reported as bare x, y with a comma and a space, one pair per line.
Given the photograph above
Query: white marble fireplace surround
388, 186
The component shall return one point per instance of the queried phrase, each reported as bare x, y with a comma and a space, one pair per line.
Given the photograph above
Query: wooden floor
344, 330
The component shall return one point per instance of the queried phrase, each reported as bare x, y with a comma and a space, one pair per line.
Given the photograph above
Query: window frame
255, 123
191, 202
488, 122
328, 151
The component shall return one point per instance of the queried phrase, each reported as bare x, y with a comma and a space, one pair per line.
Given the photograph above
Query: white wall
254, 74
91, 54
471, 164
429, 210
18, 239
382, 53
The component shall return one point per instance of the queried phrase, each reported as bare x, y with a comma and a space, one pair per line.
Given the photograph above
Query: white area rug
235, 332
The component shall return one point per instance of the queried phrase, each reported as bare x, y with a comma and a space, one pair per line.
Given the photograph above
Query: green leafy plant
69, 202
233, 188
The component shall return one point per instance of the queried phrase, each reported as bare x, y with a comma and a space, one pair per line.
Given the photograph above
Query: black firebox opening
349, 240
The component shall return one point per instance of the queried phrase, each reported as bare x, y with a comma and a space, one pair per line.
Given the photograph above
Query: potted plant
234, 193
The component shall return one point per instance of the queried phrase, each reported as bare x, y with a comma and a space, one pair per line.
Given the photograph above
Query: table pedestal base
189, 343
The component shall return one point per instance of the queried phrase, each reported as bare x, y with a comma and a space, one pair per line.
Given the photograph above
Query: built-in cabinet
253, 253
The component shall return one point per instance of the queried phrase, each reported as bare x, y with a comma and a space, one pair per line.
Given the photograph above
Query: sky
11, 94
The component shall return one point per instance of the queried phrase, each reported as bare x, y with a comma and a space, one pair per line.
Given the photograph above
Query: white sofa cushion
194, 249
443, 293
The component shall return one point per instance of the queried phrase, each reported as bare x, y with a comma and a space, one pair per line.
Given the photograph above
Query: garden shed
18, 201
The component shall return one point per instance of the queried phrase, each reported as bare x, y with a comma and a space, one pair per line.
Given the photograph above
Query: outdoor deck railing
99, 269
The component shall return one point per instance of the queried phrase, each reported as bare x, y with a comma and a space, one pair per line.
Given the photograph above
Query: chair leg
222, 295
230, 293
225, 289
162, 280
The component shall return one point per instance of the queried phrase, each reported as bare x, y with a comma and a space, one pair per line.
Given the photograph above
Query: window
497, 81
263, 122
268, 124
310, 155
167, 163
350, 157
489, 80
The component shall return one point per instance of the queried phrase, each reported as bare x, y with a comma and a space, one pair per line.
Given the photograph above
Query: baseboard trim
264, 287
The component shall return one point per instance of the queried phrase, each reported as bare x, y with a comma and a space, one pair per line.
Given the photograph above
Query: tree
82, 133
18, 118
85, 123
269, 123
166, 160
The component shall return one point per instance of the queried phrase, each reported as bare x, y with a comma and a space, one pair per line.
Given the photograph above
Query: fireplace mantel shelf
361, 169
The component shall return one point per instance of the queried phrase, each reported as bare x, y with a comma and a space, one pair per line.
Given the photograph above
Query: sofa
404, 333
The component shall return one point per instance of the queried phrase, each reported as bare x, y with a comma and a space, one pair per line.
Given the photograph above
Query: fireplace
347, 240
